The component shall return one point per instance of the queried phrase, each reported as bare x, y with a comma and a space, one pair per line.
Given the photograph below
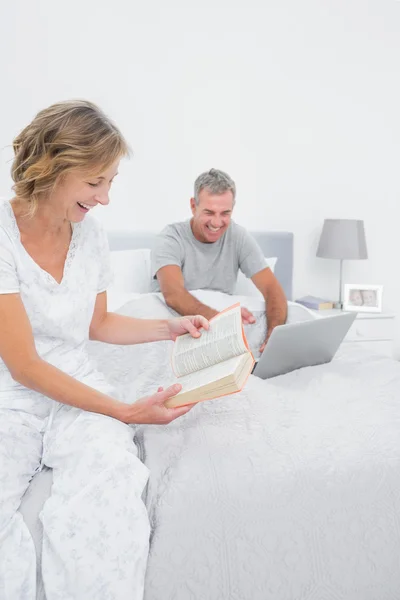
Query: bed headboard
272, 243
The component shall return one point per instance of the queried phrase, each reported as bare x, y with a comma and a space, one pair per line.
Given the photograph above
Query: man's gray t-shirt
212, 266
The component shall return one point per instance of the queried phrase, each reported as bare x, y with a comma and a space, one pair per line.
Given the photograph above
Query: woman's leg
20, 454
96, 529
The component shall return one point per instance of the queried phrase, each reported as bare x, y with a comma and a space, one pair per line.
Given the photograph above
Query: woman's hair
66, 136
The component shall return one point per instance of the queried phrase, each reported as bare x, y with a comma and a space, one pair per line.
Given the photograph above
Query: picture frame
360, 297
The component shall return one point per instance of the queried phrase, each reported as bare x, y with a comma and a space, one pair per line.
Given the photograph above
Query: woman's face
77, 193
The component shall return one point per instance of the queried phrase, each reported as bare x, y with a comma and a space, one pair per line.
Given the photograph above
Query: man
207, 253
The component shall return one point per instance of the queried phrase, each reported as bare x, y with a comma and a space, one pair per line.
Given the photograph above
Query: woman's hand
190, 325
151, 409
247, 316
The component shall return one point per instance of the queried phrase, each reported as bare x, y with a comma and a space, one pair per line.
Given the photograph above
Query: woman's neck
44, 221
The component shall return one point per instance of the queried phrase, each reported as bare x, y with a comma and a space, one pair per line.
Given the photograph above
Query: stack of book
315, 303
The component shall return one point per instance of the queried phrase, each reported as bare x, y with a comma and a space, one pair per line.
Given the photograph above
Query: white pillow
245, 286
131, 270
220, 300
116, 298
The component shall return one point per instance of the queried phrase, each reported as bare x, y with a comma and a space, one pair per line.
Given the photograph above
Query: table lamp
342, 239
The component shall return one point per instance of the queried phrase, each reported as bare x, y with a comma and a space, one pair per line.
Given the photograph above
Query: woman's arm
118, 329
18, 351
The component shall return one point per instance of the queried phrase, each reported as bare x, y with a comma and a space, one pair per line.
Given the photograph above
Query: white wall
298, 101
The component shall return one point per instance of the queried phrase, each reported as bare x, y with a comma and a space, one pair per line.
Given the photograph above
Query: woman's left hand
190, 325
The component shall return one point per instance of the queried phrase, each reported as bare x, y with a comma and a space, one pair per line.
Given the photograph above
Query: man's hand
247, 316
182, 325
266, 340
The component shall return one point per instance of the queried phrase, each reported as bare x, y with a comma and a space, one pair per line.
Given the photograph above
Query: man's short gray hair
216, 182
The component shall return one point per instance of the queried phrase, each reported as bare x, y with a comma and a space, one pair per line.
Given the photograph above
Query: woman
55, 408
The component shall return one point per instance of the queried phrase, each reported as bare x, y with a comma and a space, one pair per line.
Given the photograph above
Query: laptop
306, 344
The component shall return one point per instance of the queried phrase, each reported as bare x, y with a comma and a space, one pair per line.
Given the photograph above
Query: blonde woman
55, 408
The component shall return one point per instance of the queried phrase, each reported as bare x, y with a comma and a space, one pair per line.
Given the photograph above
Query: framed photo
362, 297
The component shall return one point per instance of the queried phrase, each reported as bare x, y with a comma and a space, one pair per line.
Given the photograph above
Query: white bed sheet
289, 489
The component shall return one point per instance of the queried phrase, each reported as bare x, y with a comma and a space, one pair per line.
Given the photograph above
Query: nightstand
374, 331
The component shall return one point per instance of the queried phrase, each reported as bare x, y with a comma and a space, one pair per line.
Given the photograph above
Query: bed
289, 490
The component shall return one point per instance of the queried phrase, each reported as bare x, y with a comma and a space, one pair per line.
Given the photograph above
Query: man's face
211, 216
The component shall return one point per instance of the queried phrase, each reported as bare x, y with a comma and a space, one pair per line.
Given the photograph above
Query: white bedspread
289, 490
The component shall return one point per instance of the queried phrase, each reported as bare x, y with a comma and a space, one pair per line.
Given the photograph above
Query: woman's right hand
151, 409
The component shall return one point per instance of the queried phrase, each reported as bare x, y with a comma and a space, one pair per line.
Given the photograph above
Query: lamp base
338, 305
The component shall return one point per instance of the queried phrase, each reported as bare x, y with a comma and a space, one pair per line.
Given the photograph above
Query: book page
216, 381
222, 341
209, 375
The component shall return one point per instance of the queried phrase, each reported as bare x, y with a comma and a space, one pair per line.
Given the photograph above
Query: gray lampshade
342, 239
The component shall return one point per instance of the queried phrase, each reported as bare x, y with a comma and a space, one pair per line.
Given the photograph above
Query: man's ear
193, 205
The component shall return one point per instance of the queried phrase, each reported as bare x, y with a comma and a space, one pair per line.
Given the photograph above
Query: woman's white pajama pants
95, 525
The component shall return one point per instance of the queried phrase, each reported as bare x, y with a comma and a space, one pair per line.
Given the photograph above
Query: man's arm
172, 285
275, 299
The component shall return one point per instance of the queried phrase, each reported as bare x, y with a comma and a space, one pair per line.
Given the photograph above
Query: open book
216, 364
